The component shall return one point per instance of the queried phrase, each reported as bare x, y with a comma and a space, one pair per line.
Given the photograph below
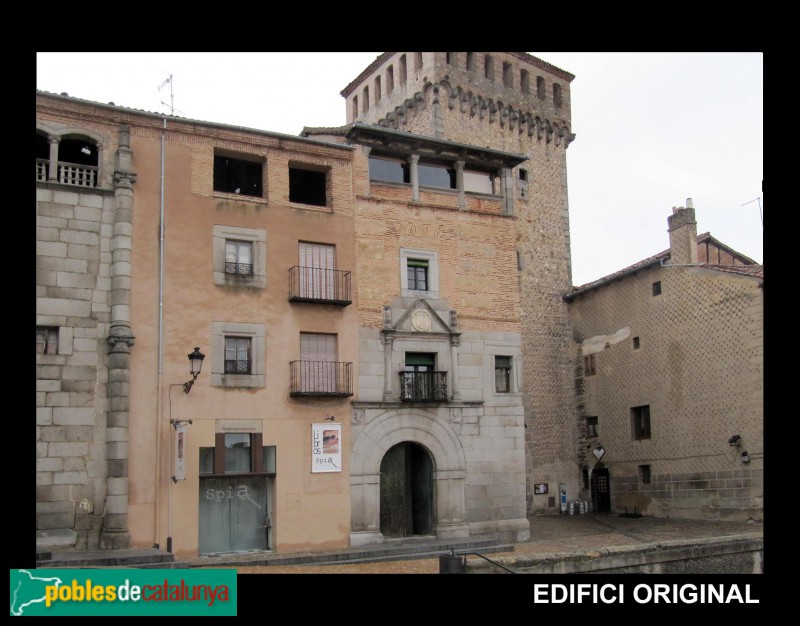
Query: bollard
452, 563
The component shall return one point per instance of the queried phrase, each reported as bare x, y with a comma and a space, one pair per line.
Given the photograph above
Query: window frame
432, 258
221, 235
320, 179
589, 364
507, 375
645, 474
641, 426
236, 343
227, 182
257, 375
263, 459
50, 339
590, 422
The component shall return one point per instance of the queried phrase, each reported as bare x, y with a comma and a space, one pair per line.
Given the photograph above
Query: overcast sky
653, 129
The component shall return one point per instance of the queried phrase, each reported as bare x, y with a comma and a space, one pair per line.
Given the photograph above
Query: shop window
237, 453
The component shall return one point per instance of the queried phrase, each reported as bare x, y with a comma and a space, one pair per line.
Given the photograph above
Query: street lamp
195, 365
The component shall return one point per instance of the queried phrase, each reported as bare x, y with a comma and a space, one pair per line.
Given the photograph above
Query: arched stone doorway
406, 488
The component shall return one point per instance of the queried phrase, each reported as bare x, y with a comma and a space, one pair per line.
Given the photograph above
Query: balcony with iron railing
321, 378
320, 286
423, 386
68, 173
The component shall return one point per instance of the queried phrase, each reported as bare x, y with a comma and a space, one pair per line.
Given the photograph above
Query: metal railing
323, 286
244, 269
423, 386
321, 378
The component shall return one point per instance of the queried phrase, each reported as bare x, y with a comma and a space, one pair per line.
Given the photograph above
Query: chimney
682, 229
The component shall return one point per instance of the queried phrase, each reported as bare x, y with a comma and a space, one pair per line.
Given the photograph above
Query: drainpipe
159, 421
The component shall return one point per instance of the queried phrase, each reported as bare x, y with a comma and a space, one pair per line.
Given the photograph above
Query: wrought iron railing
423, 386
324, 286
244, 269
321, 378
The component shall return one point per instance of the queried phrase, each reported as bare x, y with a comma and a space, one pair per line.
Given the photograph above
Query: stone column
455, 341
462, 200
508, 190
115, 534
52, 169
413, 160
387, 339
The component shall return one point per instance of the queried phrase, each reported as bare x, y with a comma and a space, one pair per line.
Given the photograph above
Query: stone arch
449, 471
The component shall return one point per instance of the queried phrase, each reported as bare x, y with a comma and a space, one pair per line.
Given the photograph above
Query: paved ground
550, 534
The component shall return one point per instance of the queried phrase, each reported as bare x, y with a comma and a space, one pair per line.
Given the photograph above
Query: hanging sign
326, 450
180, 452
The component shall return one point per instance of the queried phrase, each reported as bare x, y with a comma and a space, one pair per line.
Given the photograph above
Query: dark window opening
640, 422
507, 75
557, 94
657, 288
307, 186
523, 174
488, 67
470, 61
524, 81
46, 340
644, 474
502, 374
589, 365
635, 343
238, 176
591, 426
540, 93
585, 477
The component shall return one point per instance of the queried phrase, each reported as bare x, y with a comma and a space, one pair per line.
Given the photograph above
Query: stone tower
517, 103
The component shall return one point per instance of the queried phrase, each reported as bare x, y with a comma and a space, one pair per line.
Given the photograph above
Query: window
238, 257
308, 186
591, 426
635, 343
640, 422
239, 176
470, 61
476, 181
507, 75
523, 174
365, 100
318, 362
417, 274
540, 93
589, 366
502, 374
236, 453
644, 474
388, 170
488, 67
377, 88
317, 267
389, 79
355, 107
525, 81
403, 69
237, 355
417, 61
557, 94
419, 381
414, 273
657, 288
46, 340
436, 175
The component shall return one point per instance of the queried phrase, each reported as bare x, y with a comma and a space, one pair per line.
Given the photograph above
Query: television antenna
759, 207
171, 96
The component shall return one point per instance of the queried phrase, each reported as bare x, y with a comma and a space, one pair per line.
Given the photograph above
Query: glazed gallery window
476, 181
502, 374
237, 355
382, 169
640, 422
239, 257
46, 340
436, 175
239, 176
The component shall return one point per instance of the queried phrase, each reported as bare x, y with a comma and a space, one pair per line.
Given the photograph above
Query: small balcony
423, 386
68, 173
321, 378
320, 286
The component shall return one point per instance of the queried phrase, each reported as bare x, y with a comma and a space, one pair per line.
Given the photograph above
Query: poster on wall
180, 452
326, 450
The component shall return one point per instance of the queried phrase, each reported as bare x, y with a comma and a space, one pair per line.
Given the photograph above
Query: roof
748, 268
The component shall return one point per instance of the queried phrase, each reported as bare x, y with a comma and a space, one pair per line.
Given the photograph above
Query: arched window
77, 162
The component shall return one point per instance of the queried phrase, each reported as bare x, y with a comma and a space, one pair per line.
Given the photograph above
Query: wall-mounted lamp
332, 418
86, 150
745, 457
196, 364
736, 440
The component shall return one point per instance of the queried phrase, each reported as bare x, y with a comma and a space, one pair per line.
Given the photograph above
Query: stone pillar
414, 174
387, 339
115, 534
52, 169
462, 200
455, 341
508, 190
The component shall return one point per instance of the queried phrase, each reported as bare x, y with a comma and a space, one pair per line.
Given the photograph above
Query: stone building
669, 358
371, 303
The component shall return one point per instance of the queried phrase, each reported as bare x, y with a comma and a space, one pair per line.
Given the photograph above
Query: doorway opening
601, 490
406, 491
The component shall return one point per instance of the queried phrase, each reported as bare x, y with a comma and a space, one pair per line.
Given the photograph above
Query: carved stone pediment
421, 317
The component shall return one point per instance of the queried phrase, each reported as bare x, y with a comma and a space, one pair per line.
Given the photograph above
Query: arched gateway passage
406, 501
